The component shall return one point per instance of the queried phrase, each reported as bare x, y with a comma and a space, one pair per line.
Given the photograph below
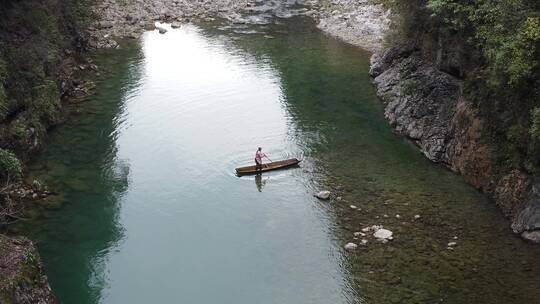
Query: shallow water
151, 211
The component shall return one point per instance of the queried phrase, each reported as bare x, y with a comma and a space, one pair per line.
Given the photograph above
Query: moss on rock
21, 274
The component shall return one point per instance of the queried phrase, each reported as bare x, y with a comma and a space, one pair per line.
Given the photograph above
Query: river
151, 211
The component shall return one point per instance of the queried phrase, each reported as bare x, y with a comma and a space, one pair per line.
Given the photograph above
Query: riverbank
427, 104
41, 67
22, 279
119, 19
361, 23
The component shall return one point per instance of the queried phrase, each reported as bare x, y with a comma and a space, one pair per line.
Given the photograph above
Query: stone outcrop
21, 275
526, 217
426, 105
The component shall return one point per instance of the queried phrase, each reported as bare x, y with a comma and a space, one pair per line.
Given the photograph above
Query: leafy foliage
35, 38
494, 45
10, 166
506, 32
3, 96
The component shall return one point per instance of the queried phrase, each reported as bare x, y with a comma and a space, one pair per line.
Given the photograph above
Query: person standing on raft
258, 159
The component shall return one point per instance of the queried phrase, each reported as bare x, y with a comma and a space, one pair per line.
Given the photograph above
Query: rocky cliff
21, 275
426, 105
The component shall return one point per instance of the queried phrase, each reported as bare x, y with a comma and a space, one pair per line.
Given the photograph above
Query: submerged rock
324, 195
383, 234
350, 246
372, 228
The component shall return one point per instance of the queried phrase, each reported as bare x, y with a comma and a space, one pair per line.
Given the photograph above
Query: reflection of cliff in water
93, 178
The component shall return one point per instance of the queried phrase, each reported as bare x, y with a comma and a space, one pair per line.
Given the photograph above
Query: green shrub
535, 124
10, 166
46, 101
494, 46
3, 103
4, 107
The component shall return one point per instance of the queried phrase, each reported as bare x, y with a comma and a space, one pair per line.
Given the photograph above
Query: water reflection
82, 161
260, 182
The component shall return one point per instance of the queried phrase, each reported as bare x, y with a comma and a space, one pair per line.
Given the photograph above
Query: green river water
151, 211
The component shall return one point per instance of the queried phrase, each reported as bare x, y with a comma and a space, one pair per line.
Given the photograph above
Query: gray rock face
420, 101
528, 217
425, 105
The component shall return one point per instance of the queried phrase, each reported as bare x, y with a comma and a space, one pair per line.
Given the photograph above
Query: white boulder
383, 234
324, 195
161, 30
350, 246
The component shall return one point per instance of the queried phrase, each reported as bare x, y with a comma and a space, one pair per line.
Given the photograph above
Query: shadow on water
81, 161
